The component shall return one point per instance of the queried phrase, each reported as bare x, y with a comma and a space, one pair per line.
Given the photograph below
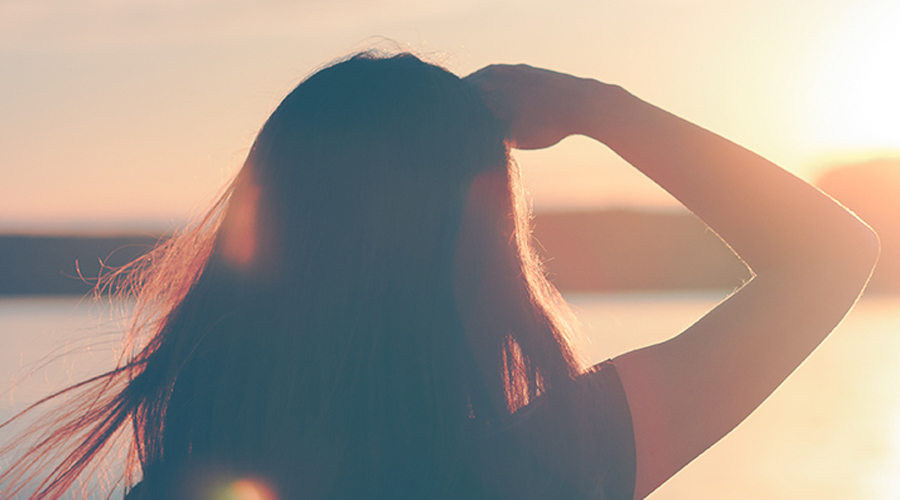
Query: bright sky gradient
132, 114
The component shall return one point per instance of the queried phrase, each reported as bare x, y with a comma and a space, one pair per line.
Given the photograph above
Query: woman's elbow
854, 254
839, 259
868, 249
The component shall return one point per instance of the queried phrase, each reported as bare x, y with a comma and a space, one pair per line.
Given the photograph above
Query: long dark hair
313, 328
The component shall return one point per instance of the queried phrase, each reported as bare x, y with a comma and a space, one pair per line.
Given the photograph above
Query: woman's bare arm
810, 258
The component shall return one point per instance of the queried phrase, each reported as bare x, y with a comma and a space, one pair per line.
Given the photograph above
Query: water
832, 431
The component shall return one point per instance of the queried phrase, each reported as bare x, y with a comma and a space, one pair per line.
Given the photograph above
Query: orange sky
131, 116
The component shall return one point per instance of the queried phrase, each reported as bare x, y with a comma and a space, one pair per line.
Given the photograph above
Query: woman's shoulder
595, 396
582, 434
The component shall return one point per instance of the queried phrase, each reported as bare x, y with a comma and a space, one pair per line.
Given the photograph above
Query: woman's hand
542, 107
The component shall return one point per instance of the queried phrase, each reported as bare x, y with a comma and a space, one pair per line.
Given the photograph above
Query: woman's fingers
494, 96
541, 106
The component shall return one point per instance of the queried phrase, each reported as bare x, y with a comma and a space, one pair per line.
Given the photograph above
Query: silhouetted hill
584, 251
588, 251
628, 250
37, 265
872, 191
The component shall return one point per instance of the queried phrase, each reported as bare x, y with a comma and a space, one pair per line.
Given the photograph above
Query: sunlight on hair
246, 489
241, 231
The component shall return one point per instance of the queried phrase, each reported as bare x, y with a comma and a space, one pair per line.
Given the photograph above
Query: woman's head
355, 313
366, 161
384, 225
390, 178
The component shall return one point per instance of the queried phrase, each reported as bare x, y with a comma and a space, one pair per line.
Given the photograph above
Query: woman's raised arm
810, 259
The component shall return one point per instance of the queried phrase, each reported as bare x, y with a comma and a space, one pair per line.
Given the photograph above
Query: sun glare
246, 489
884, 477
854, 95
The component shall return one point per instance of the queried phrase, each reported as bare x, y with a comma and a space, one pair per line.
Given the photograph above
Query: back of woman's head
343, 309
367, 161
309, 330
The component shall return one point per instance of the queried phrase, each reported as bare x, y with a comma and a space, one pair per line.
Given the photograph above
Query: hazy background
120, 119
129, 115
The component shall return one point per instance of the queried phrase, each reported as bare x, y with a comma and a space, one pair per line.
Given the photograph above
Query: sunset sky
131, 115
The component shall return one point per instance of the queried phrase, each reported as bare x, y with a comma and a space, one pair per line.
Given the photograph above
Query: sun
853, 98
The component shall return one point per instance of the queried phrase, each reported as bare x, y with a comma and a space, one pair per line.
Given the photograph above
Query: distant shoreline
63, 265
583, 252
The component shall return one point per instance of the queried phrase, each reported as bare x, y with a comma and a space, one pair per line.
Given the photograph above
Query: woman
361, 316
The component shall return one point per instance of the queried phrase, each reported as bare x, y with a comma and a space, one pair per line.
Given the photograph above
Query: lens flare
246, 489
241, 231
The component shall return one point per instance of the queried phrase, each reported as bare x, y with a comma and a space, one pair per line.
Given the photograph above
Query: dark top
578, 445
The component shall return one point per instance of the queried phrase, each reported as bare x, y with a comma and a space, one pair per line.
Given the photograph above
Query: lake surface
832, 431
